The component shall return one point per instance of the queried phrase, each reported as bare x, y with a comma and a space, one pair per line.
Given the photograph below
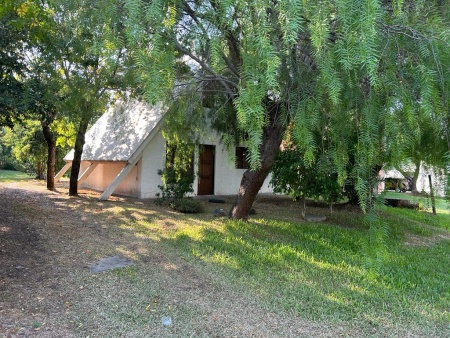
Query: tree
72, 68
340, 64
91, 58
12, 66
27, 146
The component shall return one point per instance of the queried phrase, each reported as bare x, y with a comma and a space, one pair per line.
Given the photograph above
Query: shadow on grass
317, 271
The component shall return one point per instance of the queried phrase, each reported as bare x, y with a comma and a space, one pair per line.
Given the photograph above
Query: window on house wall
241, 158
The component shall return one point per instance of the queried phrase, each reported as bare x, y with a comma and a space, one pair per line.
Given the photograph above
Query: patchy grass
12, 175
274, 276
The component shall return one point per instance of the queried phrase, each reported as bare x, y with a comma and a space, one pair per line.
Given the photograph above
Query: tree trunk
78, 151
40, 170
416, 176
51, 155
252, 180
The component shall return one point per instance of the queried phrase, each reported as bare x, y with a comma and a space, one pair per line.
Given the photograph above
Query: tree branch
223, 81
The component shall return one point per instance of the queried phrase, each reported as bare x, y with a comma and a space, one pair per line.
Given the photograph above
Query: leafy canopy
352, 69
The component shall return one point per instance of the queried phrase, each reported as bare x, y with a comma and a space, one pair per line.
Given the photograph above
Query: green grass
387, 276
441, 204
333, 273
11, 175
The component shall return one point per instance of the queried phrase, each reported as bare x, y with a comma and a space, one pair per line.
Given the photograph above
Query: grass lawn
441, 203
275, 276
389, 279
12, 175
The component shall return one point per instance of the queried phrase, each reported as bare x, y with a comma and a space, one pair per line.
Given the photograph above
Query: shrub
174, 186
293, 177
8, 166
188, 206
174, 190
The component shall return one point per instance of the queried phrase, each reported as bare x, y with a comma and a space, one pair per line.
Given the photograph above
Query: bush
8, 166
291, 176
173, 192
187, 206
174, 187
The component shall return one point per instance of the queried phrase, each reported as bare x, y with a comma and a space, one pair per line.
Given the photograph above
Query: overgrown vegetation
174, 189
293, 177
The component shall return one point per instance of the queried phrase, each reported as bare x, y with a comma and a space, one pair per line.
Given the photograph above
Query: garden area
196, 275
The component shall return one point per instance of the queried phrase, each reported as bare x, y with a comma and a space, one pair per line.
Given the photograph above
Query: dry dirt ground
47, 241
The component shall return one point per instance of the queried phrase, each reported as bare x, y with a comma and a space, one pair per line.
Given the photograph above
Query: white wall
438, 179
153, 158
143, 180
226, 177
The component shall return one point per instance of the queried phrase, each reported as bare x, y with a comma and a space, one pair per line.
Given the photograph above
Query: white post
63, 171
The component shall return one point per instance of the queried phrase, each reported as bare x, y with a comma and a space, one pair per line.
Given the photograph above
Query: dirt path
46, 241
30, 276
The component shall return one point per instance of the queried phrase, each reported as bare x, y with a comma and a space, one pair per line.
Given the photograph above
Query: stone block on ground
109, 263
315, 218
219, 213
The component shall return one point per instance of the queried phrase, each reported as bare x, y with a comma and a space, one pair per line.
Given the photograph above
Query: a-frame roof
120, 131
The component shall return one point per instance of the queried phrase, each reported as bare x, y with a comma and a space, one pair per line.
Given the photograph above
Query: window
241, 158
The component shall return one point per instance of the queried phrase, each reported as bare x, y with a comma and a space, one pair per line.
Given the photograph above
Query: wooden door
206, 170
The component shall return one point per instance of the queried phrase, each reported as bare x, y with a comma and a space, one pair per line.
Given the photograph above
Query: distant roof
118, 133
393, 173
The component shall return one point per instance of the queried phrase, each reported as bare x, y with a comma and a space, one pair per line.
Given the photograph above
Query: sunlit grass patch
339, 271
11, 175
320, 270
442, 206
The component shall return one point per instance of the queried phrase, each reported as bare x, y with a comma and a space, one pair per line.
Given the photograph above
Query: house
125, 149
392, 179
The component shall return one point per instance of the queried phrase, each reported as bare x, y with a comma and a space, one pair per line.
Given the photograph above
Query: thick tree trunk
51, 155
253, 180
78, 151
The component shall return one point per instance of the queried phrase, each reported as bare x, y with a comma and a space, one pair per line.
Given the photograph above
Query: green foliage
183, 127
188, 206
293, 177
7, 161
28, 147
12, 67
366, 76
175, 186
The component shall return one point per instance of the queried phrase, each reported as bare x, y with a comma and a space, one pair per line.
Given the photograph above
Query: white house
438, 178
125, 148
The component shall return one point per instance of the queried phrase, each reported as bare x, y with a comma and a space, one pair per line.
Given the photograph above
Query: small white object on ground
167, 321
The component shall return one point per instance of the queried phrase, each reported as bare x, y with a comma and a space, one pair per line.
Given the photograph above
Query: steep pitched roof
118, 133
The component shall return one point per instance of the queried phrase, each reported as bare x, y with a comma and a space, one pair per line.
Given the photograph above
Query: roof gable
118, 133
